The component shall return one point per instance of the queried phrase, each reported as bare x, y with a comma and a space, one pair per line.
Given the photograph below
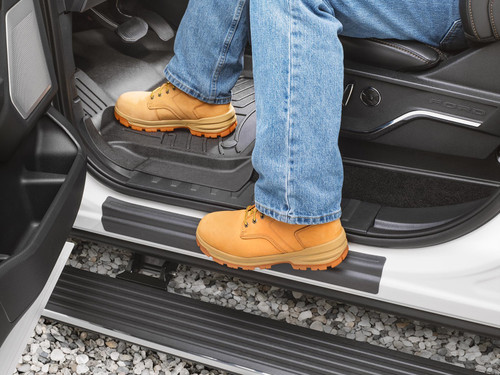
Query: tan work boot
167, 108
248, 239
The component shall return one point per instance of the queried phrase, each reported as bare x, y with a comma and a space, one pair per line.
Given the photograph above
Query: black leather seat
481, 23
406, 56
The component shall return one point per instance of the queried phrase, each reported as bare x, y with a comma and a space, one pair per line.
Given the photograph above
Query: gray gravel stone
93, 356
57, 355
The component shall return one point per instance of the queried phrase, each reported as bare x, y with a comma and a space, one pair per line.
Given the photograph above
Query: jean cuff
194, 93
300, 220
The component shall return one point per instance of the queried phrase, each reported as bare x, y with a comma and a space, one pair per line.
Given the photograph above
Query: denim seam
226, 46
288, 120
194, 93
285, 217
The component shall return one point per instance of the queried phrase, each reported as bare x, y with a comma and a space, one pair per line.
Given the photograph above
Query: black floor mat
117, 67
213, 170
397, 189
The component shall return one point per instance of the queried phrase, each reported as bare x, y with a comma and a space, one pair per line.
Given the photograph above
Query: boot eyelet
254, 221
246, 225
159, 94
262, 216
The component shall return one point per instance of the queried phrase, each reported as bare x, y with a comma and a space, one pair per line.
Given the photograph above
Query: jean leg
298, 76
209, 49
426, 21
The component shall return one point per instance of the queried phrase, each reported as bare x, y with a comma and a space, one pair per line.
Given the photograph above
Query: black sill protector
359, 271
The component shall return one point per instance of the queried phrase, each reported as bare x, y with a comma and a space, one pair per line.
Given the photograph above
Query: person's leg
209, 49
298, 73
208, 60
298, 76
424, 21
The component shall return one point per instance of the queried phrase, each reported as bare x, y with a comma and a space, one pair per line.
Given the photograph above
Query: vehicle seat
399, 55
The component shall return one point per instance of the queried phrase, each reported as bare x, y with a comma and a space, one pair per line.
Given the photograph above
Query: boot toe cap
133, 104
219, 229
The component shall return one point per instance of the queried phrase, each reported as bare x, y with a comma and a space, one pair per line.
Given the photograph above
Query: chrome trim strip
421, 114
347, 94
211, 362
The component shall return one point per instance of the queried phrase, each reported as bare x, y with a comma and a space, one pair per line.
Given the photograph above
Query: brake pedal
132, 30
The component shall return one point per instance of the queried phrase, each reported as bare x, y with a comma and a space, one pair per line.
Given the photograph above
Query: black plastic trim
264, 278
24, 274
359, 271
233, 338
166, 228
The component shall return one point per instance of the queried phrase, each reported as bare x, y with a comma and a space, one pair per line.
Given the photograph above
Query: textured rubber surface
158, 24
132, 30
232, 337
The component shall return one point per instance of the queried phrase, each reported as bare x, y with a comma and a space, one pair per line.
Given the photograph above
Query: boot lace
163, 88
251, 212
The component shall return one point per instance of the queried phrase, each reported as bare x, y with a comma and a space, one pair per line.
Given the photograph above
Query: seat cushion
392, 54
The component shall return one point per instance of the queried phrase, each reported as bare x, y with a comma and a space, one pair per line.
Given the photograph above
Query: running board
231, 340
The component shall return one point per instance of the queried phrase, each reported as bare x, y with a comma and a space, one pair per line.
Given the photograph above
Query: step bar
218, 337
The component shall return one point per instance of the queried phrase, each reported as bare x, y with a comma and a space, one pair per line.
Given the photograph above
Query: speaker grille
29, 77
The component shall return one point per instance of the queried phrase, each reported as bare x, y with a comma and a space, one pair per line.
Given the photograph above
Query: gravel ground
442, 344
55, 348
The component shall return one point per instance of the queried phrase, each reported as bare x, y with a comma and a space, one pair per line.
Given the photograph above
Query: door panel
42, 166
27, 80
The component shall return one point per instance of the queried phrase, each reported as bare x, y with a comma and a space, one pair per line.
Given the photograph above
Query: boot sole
210, 127
318, 258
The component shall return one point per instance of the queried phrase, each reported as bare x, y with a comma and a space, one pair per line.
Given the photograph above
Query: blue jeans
298, 76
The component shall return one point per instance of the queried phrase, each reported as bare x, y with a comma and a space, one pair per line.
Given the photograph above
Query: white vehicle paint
13, 346
458, 279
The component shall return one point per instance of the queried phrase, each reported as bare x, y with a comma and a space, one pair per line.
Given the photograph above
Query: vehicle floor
109, 67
